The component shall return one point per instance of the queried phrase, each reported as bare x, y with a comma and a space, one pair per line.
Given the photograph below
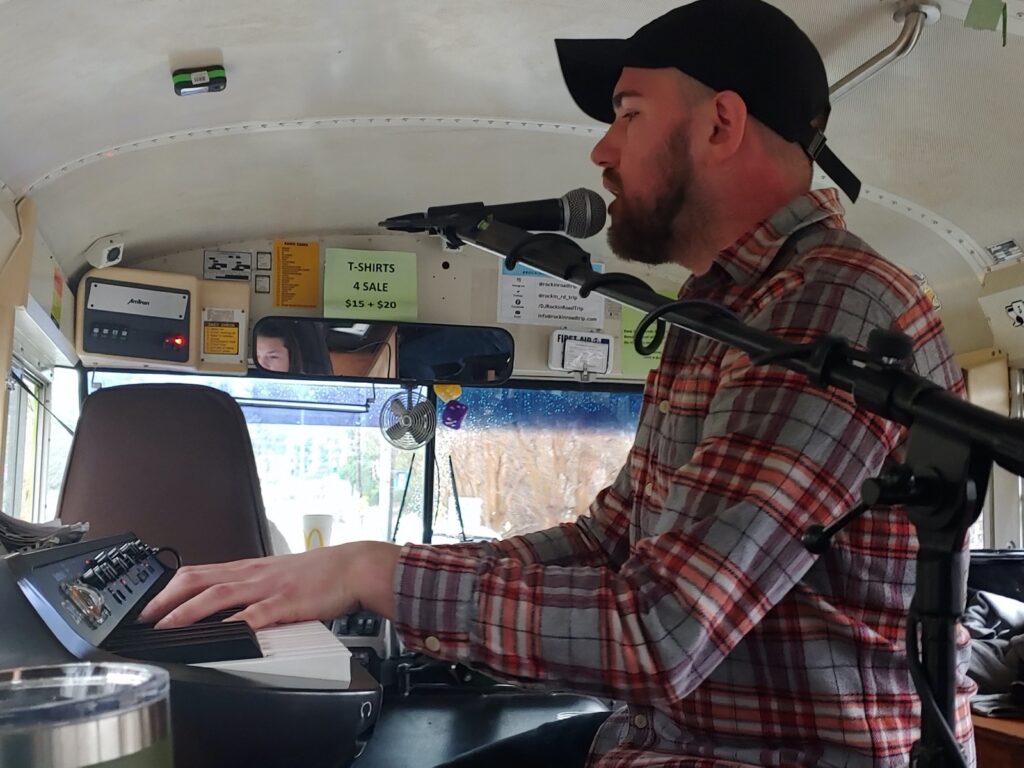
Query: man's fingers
266, 613
191, 581
213, 598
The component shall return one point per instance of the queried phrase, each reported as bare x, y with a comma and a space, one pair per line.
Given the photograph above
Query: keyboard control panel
85, 590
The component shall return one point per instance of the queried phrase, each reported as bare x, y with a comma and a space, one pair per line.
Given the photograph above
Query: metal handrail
914, 17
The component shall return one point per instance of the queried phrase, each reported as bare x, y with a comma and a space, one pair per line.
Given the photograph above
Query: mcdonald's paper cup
316, 530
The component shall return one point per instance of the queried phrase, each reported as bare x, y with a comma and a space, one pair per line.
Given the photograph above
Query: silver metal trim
307, 406
816, 145
88, 742
169, 304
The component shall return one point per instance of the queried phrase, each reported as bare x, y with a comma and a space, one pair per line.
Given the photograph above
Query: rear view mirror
383, 351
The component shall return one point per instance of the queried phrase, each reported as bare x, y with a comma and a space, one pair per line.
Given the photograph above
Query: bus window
319, 450
41, 418
63, 404
20, 450
526, 459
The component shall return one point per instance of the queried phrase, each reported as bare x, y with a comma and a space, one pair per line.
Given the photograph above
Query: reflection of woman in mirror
277, 347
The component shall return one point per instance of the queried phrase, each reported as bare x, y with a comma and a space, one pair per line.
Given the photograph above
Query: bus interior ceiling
337, 115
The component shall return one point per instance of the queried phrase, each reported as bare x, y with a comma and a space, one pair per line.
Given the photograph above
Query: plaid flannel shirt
685, 591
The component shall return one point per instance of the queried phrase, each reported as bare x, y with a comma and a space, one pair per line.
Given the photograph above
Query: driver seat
173, 464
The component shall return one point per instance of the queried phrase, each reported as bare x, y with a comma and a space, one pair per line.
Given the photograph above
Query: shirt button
433, 644
649, 489
663, 407
640, 721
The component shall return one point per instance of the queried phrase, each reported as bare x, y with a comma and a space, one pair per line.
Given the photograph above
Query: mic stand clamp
939, 484
953, 474
561, 255
895, 485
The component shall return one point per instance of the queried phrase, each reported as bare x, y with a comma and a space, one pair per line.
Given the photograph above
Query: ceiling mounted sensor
106, 251
193, 80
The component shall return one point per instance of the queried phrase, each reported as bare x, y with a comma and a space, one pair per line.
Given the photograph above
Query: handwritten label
372, 285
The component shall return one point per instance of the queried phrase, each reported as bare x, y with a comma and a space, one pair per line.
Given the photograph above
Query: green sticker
984, 14
370, 285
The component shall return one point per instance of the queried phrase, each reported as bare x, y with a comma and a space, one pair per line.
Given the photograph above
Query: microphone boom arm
891, 392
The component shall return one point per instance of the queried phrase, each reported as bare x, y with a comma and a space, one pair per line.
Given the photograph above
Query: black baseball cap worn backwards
745, 46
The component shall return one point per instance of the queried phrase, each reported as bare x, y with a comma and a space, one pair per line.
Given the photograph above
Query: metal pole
914, 16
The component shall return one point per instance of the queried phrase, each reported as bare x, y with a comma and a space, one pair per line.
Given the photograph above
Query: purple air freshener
453, 413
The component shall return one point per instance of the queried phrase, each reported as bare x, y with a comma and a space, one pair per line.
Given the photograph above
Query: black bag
997, 570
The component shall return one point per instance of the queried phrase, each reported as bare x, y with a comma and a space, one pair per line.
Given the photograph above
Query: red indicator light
177, 341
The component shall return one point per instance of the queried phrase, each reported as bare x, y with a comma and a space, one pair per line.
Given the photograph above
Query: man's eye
629, 115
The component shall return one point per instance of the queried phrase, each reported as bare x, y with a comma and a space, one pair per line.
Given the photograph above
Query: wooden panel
999, 742
14, 278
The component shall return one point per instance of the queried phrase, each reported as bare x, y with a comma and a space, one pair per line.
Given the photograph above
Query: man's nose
605, 152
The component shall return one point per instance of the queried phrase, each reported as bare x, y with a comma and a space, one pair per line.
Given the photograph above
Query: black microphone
579, 213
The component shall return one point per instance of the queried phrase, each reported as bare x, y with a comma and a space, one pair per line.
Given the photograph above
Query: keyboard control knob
88, 601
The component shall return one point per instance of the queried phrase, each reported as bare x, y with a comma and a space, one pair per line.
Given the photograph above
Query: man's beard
651, 233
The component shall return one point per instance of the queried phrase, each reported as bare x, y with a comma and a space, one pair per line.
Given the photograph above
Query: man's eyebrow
618, 97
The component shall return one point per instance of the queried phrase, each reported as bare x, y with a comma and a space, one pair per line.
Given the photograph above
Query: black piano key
212, 639
171, 636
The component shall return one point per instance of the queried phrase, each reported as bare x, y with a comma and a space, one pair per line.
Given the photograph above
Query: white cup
316, 530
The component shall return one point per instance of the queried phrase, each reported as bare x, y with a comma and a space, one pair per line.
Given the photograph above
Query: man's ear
729, 125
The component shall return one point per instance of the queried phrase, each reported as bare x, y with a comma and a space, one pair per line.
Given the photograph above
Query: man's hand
321, 584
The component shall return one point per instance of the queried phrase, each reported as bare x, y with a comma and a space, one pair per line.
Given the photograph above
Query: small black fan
408, 420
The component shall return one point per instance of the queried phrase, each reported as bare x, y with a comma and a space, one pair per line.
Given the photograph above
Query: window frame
23, 400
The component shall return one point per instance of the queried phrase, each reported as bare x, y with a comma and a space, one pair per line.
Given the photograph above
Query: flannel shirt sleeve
775, 457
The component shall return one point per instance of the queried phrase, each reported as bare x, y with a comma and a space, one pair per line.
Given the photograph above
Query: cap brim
591, 69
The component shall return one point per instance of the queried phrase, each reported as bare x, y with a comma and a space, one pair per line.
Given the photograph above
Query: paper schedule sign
296, 274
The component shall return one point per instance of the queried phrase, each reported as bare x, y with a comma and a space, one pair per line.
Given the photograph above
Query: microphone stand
951, 445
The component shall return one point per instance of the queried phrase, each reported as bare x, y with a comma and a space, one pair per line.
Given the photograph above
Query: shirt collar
747, 259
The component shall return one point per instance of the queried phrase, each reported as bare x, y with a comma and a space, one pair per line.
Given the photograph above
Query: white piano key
307, 650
